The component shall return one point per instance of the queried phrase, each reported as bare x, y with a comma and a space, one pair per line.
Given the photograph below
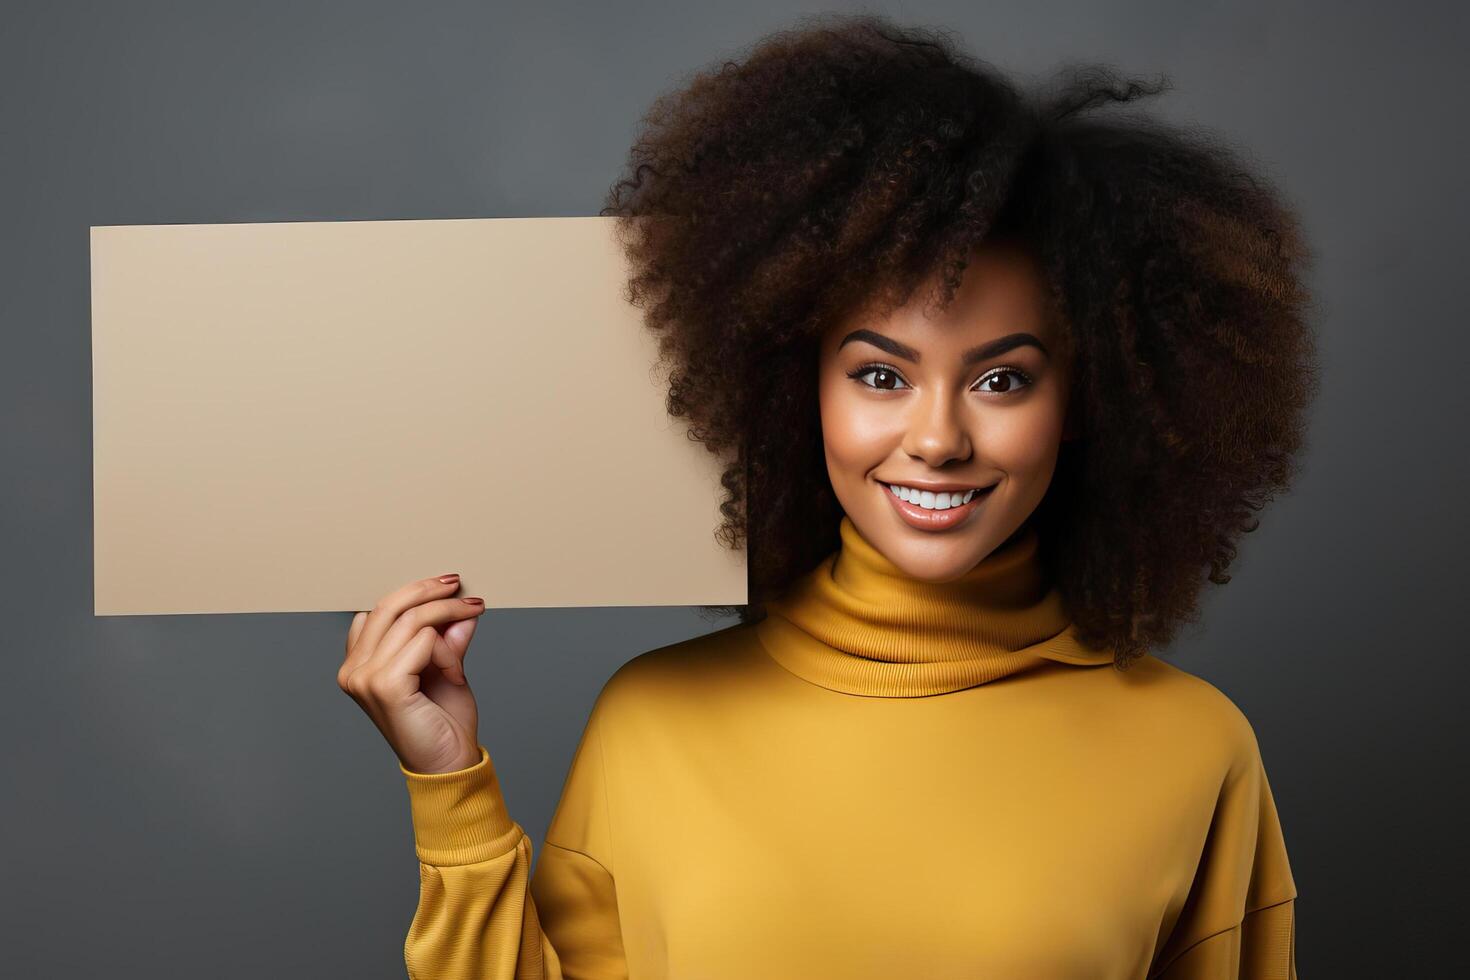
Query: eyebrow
982, 352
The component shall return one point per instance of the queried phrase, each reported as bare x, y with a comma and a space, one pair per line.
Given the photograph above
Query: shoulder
1190, 711
687, 671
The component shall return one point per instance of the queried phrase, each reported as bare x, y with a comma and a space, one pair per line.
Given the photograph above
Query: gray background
193, 796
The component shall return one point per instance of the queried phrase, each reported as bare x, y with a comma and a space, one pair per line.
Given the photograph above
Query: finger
411, 660
391, 606
438, 612
450, 650
355, 630
349, 665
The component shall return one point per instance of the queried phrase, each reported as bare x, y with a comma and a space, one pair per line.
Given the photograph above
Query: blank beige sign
301, 416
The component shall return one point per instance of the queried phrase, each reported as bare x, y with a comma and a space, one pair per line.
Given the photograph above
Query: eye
997, 375
879, 369
1009, 386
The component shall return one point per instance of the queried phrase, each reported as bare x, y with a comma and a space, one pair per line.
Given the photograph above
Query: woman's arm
1261, 947
481, 914
1239, 920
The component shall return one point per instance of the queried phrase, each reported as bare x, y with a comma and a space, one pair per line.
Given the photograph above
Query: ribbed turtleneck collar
858, 624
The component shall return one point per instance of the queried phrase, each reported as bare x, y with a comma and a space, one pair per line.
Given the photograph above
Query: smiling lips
934, 520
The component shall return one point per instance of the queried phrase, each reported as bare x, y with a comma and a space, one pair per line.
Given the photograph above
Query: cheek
1022, 442
855, 431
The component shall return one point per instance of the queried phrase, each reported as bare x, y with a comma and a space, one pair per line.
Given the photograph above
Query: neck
859, 624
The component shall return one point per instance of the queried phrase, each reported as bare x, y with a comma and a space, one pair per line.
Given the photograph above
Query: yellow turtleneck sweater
885, 778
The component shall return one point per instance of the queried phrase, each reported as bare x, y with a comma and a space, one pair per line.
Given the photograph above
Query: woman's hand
405, 668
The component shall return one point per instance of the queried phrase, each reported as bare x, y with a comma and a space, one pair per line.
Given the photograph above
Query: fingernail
451, 577
473, 600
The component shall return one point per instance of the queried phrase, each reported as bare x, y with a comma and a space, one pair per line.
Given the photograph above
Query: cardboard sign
302, 416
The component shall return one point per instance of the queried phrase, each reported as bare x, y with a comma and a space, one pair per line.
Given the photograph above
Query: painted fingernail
447, 579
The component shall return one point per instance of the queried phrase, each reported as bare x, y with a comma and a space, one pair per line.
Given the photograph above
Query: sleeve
481, 913
1239, 919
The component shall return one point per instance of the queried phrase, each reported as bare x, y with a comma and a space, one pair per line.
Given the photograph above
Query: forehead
1001, 291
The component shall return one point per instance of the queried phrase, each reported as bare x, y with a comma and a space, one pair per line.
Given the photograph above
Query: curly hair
841, 163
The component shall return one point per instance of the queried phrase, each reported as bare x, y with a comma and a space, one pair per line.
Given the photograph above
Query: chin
936, 556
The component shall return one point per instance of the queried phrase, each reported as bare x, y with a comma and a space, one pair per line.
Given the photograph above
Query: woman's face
976, 398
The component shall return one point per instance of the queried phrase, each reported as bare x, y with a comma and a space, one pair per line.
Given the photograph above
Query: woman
1000, 380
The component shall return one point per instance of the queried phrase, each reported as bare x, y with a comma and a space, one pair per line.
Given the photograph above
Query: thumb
450, 648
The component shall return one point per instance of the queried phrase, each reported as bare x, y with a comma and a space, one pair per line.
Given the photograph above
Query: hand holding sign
405, 668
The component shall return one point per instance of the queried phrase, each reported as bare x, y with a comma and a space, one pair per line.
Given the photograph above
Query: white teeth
930, 500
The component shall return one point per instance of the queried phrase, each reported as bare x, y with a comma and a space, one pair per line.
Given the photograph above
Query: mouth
937, 516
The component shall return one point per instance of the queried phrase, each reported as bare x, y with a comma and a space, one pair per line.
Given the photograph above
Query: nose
936, 430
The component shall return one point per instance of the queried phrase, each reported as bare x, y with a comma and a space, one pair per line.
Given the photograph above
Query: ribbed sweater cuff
460, 817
